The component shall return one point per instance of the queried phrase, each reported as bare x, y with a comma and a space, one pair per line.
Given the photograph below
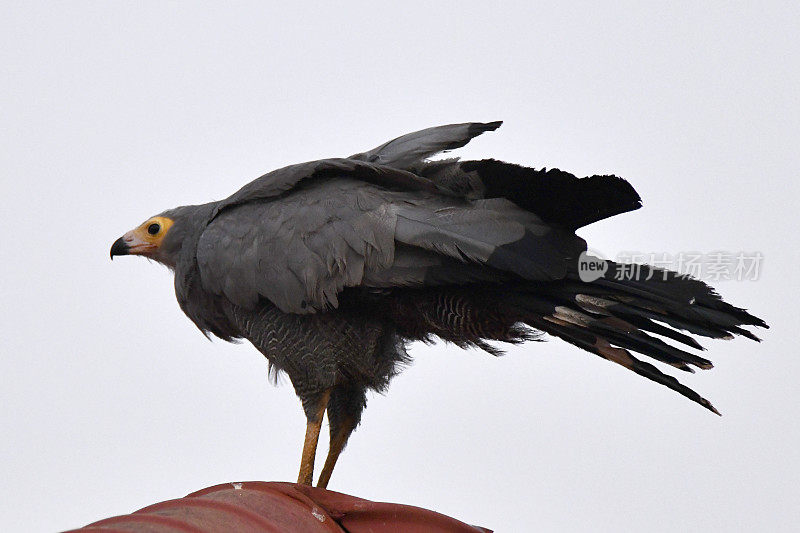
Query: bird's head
158, 238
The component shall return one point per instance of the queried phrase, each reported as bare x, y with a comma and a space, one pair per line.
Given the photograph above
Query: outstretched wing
405, 151
385, 165
299, 235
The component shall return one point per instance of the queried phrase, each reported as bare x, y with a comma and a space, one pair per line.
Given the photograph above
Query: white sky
111, 112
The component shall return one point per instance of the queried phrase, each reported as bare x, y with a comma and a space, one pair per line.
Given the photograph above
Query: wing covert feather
278, 182
493, 232
299, 251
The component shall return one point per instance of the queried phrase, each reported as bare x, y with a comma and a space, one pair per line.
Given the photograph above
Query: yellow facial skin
146, 239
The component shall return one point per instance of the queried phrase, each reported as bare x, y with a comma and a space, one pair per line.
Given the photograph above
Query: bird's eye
152, 229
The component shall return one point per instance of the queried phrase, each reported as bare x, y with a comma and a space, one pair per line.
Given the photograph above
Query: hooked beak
120, 247
132, 244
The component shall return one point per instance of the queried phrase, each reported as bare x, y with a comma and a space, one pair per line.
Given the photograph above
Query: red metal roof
259, 506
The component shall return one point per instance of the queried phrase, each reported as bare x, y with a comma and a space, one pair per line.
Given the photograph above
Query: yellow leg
313, 425
338, 442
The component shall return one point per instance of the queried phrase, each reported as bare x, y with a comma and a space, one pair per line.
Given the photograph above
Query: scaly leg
313, 425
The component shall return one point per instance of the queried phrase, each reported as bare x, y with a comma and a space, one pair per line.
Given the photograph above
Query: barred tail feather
602, 347
613, 317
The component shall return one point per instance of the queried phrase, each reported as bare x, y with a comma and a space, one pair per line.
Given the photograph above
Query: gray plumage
331, 267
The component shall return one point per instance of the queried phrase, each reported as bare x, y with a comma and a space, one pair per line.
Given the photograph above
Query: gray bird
331, 268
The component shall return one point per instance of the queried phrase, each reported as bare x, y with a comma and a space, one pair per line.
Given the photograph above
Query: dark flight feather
556, 196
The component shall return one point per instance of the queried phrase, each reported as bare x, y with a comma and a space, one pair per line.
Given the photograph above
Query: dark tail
613, 317
609, 317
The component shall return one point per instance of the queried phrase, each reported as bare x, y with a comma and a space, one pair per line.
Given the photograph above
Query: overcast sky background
111, 112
